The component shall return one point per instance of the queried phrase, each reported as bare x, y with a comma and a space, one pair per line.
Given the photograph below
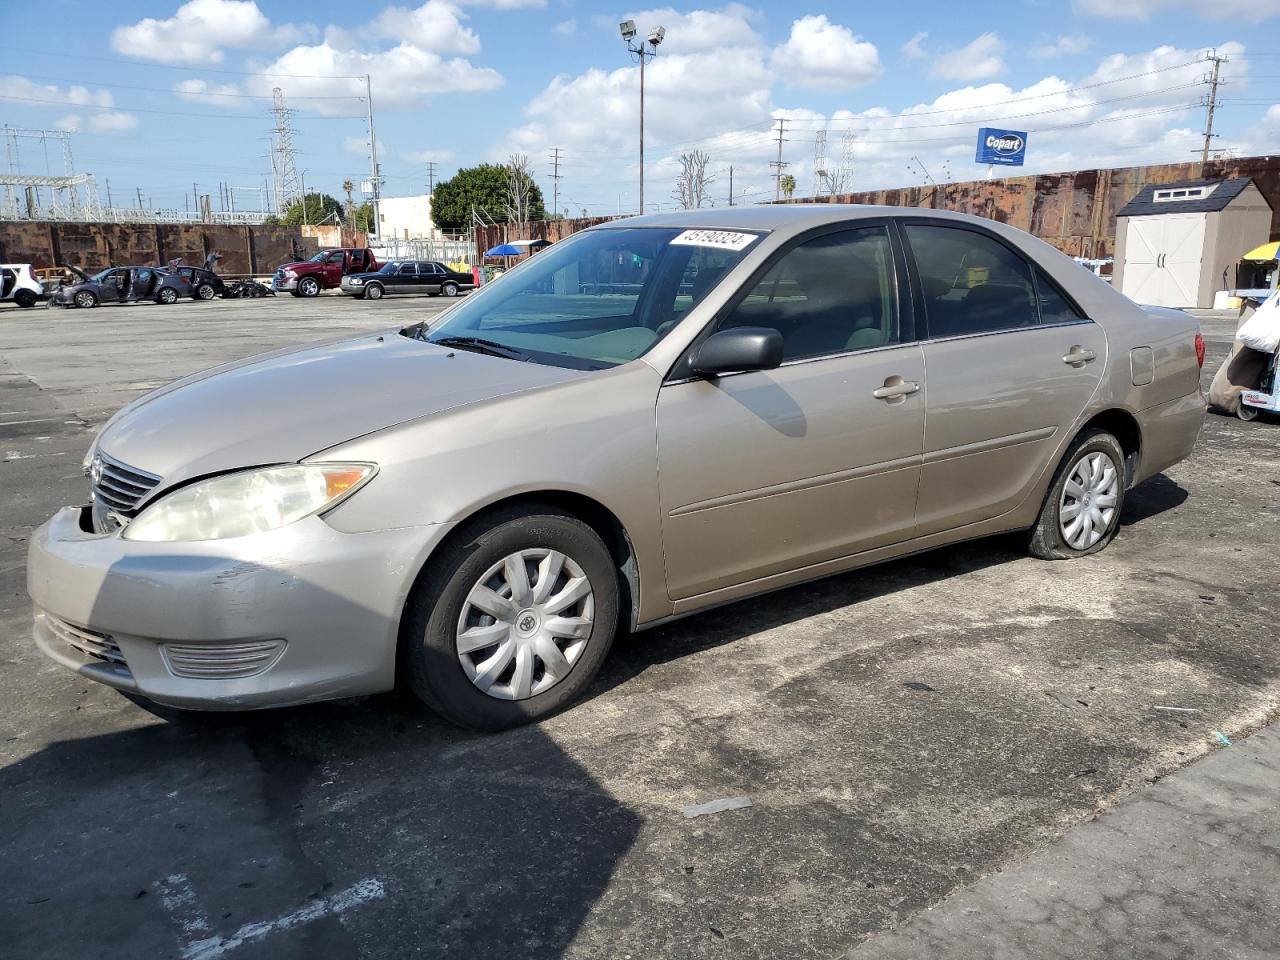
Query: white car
19, 283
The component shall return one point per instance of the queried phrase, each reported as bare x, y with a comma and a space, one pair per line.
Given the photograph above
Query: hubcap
525, 623
84, 299
1088, 504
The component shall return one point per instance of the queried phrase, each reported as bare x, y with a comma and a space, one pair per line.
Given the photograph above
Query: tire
308, 287
373, 291
167, 296
1245, 412
1049, 539
205, 292
449, 288
439, 610
24, 298
85, 299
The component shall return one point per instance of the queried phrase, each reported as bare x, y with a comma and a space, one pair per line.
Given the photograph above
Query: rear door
432, 276
765, 472
1011, 363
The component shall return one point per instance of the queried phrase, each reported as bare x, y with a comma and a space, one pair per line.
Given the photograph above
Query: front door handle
895, 388
1078, 356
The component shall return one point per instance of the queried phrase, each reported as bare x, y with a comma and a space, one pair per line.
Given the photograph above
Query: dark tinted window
1054, 307
972, 283
829, 295
432, 268
407, 270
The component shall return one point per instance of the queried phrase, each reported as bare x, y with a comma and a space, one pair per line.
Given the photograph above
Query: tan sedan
646, 420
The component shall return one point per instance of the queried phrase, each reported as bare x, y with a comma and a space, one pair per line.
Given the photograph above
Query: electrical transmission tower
820, 163
288, 185
62, 198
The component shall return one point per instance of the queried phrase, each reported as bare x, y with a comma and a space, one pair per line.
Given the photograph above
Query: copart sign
1008, 147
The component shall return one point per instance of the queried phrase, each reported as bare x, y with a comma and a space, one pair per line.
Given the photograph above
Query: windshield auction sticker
720, 239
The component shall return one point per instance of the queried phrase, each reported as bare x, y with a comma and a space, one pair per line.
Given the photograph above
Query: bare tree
693, 182
519, 183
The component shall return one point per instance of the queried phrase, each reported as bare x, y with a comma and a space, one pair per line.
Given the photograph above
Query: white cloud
982, 57
1253, 11
423, 156
201, 91
359, 147
505, 4
913, 50
1064, 46
822, 55
436, 26
49, 96
199, 30
698, 30
567, 28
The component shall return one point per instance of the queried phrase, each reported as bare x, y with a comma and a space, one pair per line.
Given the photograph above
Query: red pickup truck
324, 271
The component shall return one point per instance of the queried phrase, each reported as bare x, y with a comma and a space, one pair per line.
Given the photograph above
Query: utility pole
779, 164
373, 156
140, 198
109, 203
555, 182
1210, 105
731, 185
195, 199
431, 177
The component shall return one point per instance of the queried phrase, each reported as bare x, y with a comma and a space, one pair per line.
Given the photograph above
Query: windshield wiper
481, 345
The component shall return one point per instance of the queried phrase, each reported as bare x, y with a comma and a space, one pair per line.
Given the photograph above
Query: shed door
1162, 259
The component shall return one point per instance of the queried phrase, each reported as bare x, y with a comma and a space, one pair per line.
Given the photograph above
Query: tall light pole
303, 177
643, 50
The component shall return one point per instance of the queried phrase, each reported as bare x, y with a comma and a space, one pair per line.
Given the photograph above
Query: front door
405, 279
1012, 363
114, 286
765, 472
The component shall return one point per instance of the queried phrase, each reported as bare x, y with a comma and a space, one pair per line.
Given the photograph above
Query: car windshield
319, 257
597, 299
391, 267
99, 277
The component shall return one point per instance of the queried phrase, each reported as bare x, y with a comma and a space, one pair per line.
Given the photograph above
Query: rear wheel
449, 288
373, 291
85, 298
308, 287
167, 295
1245, 412
512, 620
206, 292
1081, 512
24, 298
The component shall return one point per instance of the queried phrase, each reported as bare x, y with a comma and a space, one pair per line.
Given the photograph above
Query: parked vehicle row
408, 276
123, 285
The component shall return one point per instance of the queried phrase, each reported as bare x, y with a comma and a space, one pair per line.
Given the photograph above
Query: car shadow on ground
205, 832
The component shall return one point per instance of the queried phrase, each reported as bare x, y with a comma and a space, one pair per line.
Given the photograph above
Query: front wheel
1081, 512
167, 295
308, 287
512, 620
373, 291
450, 289
86, 299
1246, 412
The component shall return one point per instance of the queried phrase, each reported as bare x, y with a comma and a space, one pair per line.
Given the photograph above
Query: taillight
1200, 349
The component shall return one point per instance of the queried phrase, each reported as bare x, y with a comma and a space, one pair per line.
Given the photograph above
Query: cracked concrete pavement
902, 731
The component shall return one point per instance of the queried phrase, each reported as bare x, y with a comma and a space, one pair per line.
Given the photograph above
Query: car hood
285, 406
365, 276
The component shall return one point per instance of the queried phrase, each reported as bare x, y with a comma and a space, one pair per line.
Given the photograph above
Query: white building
406, 218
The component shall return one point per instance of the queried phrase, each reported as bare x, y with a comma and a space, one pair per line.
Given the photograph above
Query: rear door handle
895, 388
1078, 356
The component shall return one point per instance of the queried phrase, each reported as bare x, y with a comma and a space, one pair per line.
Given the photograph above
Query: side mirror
737, 350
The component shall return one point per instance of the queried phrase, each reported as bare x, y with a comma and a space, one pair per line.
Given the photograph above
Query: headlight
356, 281
238, 504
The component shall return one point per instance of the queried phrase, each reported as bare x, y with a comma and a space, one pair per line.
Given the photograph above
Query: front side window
335, 257
599, 298
830, 295
972, 283
407, 270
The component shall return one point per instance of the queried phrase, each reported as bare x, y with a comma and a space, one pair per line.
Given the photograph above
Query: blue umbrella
504, 250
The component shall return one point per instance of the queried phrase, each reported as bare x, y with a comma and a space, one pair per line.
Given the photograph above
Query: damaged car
122, 285
652, 418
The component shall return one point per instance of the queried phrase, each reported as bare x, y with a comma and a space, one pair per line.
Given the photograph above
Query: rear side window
971, 282
1054, 307
829, 295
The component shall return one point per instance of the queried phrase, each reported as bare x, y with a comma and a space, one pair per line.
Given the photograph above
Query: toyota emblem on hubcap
527, 622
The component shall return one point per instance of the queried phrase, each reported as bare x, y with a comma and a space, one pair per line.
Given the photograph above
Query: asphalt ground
900, 732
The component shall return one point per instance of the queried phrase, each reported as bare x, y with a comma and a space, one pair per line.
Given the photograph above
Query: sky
162, 96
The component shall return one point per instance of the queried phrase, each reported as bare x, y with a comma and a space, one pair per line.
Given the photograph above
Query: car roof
783, 217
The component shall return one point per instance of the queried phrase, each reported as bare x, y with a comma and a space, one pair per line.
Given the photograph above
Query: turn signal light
1200, 350
338, 482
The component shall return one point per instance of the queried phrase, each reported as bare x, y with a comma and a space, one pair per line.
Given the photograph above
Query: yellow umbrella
1268, 251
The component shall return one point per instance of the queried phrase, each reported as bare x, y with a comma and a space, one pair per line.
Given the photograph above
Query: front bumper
327, 604
286, 284
351, 289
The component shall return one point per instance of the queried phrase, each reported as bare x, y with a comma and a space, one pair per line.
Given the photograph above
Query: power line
174, 91
168, 66
169, 113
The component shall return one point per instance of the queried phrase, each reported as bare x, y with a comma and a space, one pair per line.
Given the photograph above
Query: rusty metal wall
1076, 212
95, 246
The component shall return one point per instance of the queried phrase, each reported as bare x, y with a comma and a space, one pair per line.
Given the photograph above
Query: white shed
1176, 243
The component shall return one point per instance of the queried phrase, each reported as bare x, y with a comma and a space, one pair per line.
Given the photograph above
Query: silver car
650, 418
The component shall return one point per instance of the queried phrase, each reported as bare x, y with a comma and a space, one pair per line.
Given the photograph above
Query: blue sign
1008, 147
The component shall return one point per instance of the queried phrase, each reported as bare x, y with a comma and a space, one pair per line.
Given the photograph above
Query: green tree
483, 187
362, 217
788, 184
319, 208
